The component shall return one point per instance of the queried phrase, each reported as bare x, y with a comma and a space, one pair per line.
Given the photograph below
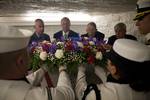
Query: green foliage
35, 62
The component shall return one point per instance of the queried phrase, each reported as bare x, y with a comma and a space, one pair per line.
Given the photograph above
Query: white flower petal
86, 38
60, 43
91, 43
80, 44
99, 55
59, 53
43, 55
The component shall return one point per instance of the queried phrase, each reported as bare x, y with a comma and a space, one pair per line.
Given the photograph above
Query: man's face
39, 27
90, 29
65, 24
120, 33
144, 24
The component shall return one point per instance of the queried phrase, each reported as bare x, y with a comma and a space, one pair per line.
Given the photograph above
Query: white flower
86, 38
44, 41
99, 55
59, 53
43, 55
80, 44
60, 43
39, 49
91, 43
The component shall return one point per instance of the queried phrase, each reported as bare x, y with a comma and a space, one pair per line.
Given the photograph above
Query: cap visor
137, 17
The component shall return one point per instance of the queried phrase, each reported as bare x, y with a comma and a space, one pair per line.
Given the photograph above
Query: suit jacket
59, 35
41, 37
113, 38
98, 35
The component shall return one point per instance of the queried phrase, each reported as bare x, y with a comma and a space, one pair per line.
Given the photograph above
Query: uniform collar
111, 79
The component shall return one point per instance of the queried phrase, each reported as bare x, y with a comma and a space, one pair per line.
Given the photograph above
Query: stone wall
106, 23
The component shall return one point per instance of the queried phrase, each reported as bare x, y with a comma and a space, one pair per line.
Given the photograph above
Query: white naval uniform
37, 78
108, 90
147, 39
21, 90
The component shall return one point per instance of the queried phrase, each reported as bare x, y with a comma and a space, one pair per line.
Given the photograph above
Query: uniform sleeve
64, 90
37, 93
36, 77
81, 83
101, 73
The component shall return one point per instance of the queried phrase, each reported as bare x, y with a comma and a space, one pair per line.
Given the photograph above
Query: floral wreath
68, 52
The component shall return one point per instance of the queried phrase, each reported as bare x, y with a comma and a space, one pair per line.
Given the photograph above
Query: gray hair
120, 26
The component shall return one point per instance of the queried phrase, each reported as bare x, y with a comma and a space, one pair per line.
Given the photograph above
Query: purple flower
99, 42
62, 39
53, 48
34, 44
85, 42
90, 39
75, 45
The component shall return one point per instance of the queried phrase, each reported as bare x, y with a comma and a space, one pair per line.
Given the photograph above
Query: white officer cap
126, 52
143, 8
132, 50
12, 39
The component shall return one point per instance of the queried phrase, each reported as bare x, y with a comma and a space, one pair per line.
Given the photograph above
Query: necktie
65, 36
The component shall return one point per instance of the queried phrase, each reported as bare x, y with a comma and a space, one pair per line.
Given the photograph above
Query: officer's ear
111, 67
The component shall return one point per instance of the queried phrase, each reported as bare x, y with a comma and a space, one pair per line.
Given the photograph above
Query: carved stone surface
10, 7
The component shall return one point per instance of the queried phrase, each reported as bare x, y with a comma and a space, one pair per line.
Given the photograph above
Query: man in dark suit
92, 32
39, 34
65, 32
120, 32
